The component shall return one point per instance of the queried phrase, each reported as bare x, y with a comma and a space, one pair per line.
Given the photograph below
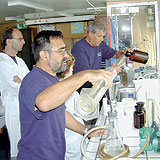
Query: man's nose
102, 39
66, 54
23, 41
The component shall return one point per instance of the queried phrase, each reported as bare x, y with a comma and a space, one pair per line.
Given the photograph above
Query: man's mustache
65, 59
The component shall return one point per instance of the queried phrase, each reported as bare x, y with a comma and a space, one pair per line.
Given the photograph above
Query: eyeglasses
19, 39
60, 51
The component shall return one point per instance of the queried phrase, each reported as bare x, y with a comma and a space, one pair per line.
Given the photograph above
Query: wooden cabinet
70, 33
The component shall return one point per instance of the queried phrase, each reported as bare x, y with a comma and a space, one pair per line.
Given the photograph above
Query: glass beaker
113, 145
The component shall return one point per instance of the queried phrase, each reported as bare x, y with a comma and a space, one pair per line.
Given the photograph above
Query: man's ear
44, 55
8, 41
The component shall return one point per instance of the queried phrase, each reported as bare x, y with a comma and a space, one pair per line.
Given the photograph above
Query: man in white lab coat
12, 71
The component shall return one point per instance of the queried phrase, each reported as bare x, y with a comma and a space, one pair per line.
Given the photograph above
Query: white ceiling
60, 8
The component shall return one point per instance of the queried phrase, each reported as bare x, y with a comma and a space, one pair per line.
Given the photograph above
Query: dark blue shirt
42, 133
89, 57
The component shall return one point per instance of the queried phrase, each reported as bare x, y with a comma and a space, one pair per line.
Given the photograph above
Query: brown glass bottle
138, 117
138, 56
141, 104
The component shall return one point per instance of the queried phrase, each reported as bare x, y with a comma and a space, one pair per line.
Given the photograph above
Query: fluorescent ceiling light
29, 4
65, 14
10, 18
59, 20
18, 19
96, 8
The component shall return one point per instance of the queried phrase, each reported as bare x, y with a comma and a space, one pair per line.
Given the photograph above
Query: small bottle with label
138, 116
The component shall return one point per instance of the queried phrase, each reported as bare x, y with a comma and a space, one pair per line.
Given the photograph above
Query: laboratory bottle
113, 145
141, 104
138, 117
123, 76
137, 56
94, 95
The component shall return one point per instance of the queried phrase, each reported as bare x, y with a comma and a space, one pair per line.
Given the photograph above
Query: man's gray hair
94, 26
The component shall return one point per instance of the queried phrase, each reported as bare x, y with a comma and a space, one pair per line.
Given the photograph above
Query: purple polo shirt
89, 57
42, 133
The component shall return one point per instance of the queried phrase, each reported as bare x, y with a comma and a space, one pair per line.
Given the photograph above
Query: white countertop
129, 134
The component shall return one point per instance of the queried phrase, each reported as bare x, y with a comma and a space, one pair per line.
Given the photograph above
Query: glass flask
94, 95
113, 145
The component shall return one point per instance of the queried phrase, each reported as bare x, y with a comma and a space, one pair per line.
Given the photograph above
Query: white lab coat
9, 94
73, 139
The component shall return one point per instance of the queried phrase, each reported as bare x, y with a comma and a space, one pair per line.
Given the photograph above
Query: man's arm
57, 93
118, 54
75, 126
7, 74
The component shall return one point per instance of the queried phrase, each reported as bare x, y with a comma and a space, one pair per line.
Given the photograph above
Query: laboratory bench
129, 134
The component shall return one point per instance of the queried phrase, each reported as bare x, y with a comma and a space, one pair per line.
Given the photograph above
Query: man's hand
97, 133
101, 74
16, 79
129, 50
119, 53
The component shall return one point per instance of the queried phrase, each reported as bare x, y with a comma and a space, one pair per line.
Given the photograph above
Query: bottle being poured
135, 56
